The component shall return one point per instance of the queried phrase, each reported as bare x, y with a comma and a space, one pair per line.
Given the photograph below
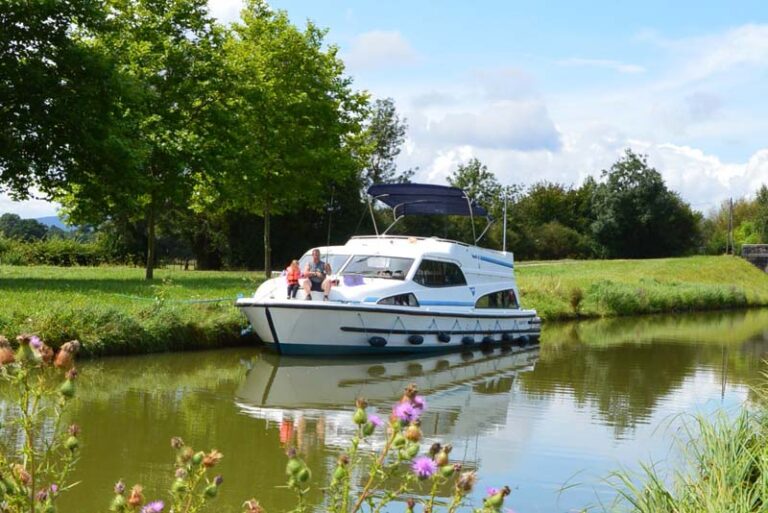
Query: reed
724, 468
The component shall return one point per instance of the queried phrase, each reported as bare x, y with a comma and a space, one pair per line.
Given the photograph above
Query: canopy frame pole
393, 223
487, 227
373, 217
504, 233
471, 217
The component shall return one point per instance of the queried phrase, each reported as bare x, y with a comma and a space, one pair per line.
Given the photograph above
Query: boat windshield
336, 260
390, 268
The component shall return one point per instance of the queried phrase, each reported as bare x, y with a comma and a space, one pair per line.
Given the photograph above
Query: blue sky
556, 90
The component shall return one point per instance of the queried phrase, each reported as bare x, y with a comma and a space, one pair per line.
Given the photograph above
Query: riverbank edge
559, 291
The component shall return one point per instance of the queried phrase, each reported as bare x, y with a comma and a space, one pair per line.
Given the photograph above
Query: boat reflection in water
467, 394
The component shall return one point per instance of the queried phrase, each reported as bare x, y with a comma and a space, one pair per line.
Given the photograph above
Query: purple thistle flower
218, 480
406, 412
420, 403
423, 467
35, 342
375, 420
153, 507
491, 491
54, 488
119, 487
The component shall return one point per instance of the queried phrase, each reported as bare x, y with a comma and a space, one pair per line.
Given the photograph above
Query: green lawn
627, 287
112, 310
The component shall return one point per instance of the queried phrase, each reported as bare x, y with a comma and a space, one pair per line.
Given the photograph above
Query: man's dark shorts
317, 286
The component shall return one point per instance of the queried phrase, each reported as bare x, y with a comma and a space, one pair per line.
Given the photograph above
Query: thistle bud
293, 467
360, 417
119, 487
218, 480
399, 440
304, 475
434, 449
211, 491
410, 504
180, 473
413, 433
25, 353
339, 474
409, 393
185, 455
447, 470
212, 458
412, 451
22, 475
66, 355
67, 389
177, 443
118, 504
44, 353
197, 459
496, 500
136, 498
252, 506
72, 443
179, 486
6, 353
73, 430
466, 482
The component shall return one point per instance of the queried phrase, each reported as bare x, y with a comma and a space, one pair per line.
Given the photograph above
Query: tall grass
725, 469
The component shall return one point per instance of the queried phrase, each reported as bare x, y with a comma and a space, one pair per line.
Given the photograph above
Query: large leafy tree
58, 115
636, 216
292, 114
167, 52
381, 143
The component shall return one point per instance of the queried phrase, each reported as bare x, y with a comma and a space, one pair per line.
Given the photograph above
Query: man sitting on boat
317, 273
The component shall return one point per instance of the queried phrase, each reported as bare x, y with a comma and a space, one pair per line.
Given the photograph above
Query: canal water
550, 422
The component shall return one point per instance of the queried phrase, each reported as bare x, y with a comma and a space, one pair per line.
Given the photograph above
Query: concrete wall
756, 254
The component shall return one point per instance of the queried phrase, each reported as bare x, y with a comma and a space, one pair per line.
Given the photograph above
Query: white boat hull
318, 327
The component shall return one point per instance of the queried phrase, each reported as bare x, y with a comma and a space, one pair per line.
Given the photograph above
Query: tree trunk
150, 274
267, 244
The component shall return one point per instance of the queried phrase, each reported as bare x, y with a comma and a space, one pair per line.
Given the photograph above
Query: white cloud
618, 66
520, 125
744, 46
225, 10
29, 209
380, 49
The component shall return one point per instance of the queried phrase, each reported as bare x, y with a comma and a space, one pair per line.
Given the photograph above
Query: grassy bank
606, 288
112, 310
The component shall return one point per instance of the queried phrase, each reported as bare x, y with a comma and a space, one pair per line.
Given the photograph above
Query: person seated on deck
292, 275
317, 273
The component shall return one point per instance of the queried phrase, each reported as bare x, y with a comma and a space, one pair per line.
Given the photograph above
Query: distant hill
53, 221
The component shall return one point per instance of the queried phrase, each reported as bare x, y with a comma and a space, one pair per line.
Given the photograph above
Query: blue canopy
408, 199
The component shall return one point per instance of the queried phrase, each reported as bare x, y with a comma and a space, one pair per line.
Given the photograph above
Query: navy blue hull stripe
336, 350
415, 311
354, 329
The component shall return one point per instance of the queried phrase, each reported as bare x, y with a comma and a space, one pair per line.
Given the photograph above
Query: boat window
391, 268
400, 300
434, 273
498, 299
